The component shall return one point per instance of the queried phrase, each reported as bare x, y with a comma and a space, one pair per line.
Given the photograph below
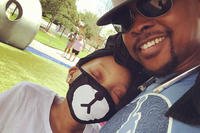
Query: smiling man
164, 37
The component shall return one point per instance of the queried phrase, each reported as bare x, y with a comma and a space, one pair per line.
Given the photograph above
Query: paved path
50, 53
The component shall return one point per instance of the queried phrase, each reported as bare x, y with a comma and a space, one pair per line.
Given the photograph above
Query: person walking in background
78, 46
72, 37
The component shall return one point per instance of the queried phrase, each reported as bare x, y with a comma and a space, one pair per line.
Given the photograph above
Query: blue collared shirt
146, 113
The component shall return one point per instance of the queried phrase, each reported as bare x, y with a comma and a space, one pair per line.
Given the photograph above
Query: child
96, 86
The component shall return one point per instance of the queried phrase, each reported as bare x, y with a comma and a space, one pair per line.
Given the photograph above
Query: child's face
108, 73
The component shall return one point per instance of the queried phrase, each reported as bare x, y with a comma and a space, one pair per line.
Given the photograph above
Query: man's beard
169, 67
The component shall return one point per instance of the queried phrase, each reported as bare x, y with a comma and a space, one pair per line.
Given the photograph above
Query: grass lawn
55, 41
51, 40
17, 65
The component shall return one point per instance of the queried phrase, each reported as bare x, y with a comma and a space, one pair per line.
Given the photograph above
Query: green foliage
68, 15
91, 30
62, 11
17, 66
51, 7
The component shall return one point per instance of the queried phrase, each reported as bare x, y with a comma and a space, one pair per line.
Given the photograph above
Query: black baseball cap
94, 55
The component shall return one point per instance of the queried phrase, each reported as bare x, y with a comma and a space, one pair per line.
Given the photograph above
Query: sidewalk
50, 53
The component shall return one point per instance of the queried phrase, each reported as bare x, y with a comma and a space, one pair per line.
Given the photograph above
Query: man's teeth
152, 42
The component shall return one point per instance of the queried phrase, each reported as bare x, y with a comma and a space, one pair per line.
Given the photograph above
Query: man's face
160, 44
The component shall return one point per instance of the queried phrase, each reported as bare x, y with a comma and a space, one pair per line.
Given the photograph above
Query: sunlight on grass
51, 40
17, 65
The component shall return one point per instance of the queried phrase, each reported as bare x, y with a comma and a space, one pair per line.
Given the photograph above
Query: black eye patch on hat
89, 102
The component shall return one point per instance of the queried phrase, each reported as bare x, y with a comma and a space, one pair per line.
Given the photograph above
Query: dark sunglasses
124, 18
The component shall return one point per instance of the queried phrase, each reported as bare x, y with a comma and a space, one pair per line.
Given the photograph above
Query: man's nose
141, 24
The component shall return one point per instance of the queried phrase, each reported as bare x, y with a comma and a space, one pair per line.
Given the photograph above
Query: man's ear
71, 74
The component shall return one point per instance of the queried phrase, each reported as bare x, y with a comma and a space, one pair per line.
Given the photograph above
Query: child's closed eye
97, 76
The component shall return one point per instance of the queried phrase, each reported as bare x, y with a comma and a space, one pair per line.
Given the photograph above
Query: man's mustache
143, 36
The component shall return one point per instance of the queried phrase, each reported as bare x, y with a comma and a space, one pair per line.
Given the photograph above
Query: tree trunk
62, 32
49, 24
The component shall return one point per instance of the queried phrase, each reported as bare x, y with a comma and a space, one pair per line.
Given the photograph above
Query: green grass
17, 65
51, 40
55, 41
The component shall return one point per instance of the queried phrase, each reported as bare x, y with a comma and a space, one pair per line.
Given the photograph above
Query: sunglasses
123, 20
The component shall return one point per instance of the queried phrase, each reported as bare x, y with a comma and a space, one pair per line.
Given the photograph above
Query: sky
95, 6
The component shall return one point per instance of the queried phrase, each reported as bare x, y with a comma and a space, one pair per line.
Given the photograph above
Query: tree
68, 16
65, 14
91, 30
63, 11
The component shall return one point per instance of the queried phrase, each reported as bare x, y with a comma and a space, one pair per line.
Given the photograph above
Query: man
164, 37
